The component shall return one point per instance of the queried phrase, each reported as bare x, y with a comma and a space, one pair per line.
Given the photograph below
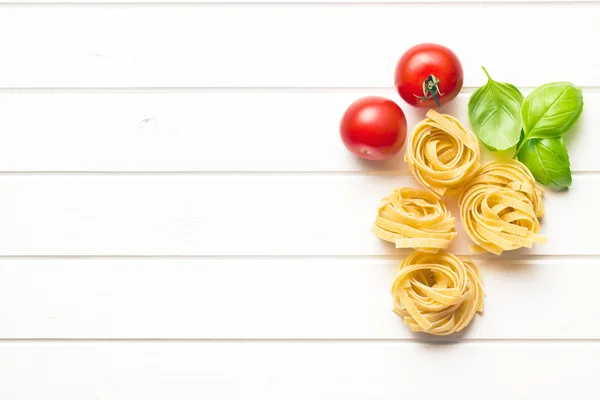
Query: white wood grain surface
282, 1
234, 215
289, 45
179, 219
292, 370
214, 130
277, 298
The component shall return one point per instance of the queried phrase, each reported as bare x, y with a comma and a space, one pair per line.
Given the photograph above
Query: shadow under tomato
395, 164
418, 114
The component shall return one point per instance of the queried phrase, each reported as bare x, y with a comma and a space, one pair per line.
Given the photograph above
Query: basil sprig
551, 110
495, 114
548, 161
535, 124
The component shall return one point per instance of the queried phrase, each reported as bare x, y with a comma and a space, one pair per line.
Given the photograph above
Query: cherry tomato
373, 128
428, 75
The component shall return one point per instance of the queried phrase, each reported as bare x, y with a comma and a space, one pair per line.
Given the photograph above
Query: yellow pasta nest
500, 208
442, 154
413, 218
511, 174
437, 293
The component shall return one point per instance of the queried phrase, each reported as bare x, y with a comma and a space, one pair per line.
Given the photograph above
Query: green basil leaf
548, 161
495, 114
551, 110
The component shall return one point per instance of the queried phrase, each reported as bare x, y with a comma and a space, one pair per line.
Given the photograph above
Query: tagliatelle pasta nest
511, 174
413, 218
500, 208
442, 154
437, 293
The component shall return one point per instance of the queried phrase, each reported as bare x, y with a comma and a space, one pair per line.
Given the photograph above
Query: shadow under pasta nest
510, 262
448, 340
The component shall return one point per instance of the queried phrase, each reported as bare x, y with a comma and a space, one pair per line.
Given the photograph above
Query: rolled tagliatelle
498, 218
511, 174
413, 218
437, 293
442, 154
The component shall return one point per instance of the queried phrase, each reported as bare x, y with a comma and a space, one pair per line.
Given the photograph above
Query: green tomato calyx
431, 90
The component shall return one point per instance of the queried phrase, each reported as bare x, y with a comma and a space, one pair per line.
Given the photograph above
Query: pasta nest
511, 174
500, 208
442, 154
413, 218
437, 293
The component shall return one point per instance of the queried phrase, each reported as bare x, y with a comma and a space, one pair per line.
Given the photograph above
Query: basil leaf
551, 110
495, 114
548, 161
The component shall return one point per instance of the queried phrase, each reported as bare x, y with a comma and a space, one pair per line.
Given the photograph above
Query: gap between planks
466, 90
358, 3
123, 173
399, 341
506, 258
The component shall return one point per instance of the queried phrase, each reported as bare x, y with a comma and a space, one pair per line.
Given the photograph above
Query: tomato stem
431, 90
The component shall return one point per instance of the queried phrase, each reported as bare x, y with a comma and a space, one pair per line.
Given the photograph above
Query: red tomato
428, 75
373, 128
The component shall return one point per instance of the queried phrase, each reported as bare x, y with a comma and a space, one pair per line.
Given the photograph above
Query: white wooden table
179, 219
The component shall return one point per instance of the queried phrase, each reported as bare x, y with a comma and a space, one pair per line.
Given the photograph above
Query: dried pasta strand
413, 218
442, 154
500, 207
437, 293
514, 175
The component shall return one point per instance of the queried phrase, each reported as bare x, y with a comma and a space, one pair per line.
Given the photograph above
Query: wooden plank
277, 299
213, 131
284, 1
229, 214
287, 45
353, 371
